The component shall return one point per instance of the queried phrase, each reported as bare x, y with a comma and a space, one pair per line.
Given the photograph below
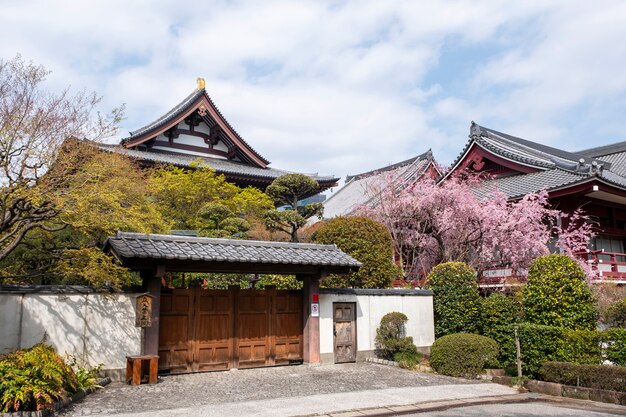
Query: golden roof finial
201, 83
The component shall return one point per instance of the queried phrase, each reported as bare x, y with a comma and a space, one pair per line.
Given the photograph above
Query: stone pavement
280, 391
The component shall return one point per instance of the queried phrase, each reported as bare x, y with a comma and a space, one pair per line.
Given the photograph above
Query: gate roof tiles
137, 246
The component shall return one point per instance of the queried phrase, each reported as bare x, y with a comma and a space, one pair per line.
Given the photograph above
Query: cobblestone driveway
252, 384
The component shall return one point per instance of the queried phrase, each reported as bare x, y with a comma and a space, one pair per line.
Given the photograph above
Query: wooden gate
206, 330
344, 332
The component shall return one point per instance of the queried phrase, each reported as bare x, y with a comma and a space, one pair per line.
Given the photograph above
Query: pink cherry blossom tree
432, 223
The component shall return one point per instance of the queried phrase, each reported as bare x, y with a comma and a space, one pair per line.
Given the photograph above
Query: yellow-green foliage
91, 265
184, 196
456, 300
557, 294
366, 241
464, 355
33, 379
107, 193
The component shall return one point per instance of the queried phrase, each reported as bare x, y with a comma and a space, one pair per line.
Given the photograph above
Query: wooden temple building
195, 130
593, 179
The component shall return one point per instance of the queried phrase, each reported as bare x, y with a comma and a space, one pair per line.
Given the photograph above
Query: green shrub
616, 314
368, 242
540, 344
35, 378
391, 336
557, 294
591, 376
614, 343
498, 310
456, 300
463, 355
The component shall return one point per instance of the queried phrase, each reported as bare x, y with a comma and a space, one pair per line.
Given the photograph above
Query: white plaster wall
370, 309
9, 322
96, 328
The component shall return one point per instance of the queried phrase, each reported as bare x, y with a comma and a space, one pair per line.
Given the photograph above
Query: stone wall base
560, 390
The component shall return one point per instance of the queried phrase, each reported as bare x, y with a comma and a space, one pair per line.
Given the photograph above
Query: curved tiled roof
181, 108
126, 245
516, 186
222, 166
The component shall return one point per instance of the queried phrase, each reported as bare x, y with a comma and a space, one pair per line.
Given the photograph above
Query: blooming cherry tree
432, 223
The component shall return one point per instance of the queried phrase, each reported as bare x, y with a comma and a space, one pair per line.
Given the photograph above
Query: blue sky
341, 87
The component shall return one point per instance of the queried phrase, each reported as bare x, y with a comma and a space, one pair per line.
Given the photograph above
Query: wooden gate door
206, 330
344, 331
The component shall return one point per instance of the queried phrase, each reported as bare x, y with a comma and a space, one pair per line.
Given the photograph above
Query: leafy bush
614, 344
391, 337
616, 314
35, 378
540, 344
366, 241
86, 377
557, 294
591, 376
464, 355
498, 310
456, 299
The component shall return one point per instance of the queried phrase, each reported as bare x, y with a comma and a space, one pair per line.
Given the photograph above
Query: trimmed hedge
463, 354
558, 295
456, 301
540, 344
590, 376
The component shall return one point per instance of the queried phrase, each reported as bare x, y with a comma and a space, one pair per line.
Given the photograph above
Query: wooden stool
134, 365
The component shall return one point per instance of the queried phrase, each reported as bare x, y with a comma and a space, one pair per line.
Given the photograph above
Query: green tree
456, 300
101, 194
198, 199
497, 312
287, 191
34, 123
558, 295
366, 241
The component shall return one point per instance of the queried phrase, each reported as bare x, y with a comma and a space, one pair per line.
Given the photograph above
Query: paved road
203, 393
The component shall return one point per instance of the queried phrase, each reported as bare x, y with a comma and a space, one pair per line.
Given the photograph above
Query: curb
431, 406
416, 408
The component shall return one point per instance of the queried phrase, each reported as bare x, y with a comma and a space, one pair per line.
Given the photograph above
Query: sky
343, 87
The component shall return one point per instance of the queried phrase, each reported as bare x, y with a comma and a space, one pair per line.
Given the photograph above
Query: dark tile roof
169, 247
182, 107
516, 186
600, 151
222, 166
527, 152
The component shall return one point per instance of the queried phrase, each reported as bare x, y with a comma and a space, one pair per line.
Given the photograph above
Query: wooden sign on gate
143, 312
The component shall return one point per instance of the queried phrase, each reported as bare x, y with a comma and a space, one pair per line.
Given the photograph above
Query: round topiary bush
557, 294
463, 355
456, 300
366, 241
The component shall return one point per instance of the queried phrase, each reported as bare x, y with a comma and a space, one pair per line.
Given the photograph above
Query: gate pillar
152, 280
311, 324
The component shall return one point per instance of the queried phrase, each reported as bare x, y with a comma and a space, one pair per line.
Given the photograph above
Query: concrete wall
94, 327
371, 306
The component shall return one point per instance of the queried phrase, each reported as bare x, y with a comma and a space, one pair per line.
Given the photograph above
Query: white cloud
342, 87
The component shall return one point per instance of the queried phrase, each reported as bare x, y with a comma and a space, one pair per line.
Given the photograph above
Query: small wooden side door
344, 331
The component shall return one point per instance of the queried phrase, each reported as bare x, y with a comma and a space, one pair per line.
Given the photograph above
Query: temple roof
551, 169
357, 190
197, 100
221, 166
196, 129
